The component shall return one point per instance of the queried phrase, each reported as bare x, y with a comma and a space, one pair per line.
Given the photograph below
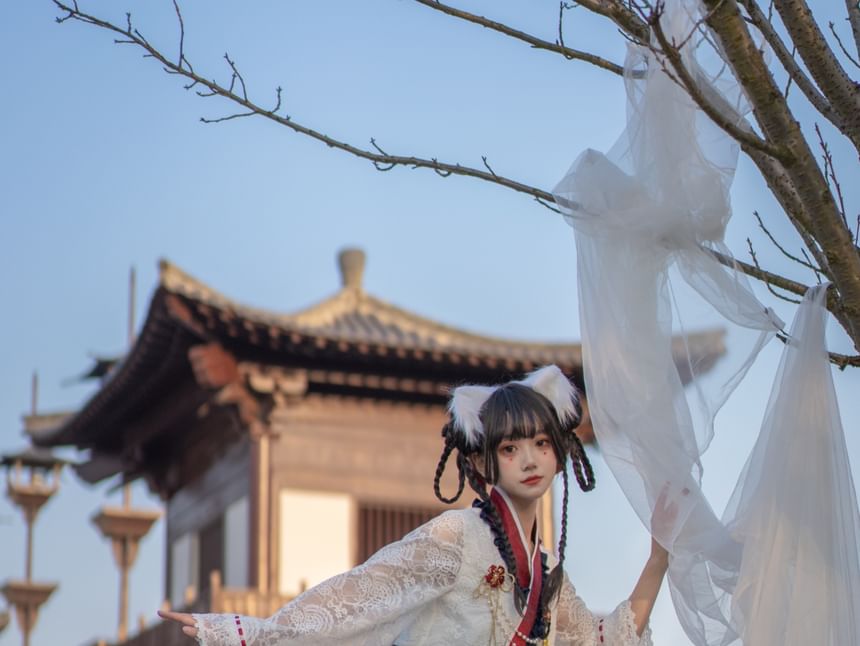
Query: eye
542, 443
507, 449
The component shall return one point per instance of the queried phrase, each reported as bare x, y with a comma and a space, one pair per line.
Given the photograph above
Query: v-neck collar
522, 535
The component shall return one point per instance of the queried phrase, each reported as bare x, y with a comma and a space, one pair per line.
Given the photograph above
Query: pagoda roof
355, 317
151, 391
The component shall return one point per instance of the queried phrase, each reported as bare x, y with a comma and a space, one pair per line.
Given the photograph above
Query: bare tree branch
841, 46
786, 58
809, 262
830, 174
823, 65
841, 361
537, 43
214, 89
782, 249
623, 14
817, 212
767, 283
181, 32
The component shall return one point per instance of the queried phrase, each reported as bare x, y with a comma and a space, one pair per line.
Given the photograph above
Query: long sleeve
371, 604
577, 626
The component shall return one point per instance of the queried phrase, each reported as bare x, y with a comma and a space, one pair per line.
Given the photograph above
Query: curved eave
160, 350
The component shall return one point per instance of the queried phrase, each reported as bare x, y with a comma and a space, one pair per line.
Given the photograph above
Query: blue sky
105, 165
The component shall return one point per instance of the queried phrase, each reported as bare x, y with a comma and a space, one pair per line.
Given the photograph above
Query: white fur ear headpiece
465, 409
549, 381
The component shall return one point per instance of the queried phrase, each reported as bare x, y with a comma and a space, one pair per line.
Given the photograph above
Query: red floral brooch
495, 576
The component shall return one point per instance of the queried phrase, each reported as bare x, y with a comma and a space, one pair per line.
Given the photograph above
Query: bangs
521, 424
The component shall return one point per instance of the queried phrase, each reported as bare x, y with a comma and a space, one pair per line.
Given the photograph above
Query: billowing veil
781, 566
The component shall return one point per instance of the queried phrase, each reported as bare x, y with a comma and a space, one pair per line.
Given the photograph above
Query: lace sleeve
370, 604
577, 626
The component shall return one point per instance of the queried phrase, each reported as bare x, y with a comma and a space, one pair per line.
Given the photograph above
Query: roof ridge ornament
351, 261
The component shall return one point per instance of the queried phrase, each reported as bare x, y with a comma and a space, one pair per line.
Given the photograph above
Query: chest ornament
496, 582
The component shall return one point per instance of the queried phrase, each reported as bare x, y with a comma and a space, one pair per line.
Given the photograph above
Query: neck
526, 512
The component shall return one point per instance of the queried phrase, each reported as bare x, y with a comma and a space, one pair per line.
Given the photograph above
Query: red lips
532, 480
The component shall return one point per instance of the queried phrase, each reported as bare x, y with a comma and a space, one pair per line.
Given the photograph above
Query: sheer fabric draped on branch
786, 546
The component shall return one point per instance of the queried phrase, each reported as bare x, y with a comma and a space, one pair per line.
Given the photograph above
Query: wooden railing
241, 601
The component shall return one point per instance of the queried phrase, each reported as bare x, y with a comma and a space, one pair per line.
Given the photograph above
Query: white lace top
419, 590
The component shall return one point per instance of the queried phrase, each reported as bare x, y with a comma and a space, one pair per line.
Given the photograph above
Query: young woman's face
526, 467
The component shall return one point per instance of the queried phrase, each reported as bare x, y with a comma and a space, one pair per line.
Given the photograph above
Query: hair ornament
550, 382
465, 410
467, 401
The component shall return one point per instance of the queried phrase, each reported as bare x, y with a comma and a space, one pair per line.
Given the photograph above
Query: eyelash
510, 448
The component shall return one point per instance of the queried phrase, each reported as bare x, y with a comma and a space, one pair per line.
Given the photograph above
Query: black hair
515, 411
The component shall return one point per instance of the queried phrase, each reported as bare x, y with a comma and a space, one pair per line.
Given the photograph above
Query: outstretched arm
377, 598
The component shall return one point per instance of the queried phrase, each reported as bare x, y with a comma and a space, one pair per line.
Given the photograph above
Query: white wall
317, 537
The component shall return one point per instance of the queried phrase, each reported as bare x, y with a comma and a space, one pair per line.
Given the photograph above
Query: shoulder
452, 524
449, 527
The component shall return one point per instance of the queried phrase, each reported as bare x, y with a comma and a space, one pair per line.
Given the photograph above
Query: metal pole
34, 393
29, 572
131, 298
122, 631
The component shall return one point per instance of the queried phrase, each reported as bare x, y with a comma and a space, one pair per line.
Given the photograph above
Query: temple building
287, 447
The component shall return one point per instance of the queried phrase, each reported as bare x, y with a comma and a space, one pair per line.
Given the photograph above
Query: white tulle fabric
660, 199
420, 590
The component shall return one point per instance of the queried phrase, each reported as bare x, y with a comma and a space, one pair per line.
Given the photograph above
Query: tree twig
767, 282
537, 43
443, 169
852, 7
809, 262
181, 32
784, 251
841, 46
830, 174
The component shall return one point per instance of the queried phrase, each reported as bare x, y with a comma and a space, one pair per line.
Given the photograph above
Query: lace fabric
577, 626
417, 591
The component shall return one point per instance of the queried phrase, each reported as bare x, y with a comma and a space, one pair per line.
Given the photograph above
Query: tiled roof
356, 317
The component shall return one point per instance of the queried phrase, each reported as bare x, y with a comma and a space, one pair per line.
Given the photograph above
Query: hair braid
490, 515
552, 585
450, 445
581, 465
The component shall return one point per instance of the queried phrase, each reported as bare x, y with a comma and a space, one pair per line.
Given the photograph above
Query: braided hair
512, 412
